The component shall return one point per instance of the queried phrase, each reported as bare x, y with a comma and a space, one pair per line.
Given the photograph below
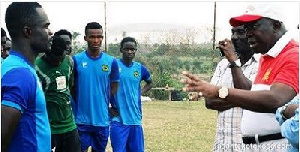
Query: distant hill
146, 27
156, 32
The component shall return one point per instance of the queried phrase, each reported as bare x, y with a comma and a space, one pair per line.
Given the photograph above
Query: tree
75, 35
189, 37
76, 46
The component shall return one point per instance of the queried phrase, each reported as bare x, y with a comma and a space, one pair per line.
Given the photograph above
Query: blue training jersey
128, 97
92, 81
21, 89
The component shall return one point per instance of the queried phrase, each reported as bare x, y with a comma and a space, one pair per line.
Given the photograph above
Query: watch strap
282, 112
235, 63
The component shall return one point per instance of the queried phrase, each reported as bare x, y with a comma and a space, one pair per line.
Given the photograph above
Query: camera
221, 51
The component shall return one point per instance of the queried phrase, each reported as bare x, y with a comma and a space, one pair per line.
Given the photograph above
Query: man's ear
27, 31
85, 38
277, 25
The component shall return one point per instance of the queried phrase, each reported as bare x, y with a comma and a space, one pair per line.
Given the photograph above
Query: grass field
177, 126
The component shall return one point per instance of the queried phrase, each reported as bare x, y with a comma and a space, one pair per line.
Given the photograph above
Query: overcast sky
73, 15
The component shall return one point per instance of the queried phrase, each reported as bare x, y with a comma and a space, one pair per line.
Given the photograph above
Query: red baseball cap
257, 11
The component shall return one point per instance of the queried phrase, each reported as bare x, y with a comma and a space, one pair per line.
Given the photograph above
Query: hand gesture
193, 84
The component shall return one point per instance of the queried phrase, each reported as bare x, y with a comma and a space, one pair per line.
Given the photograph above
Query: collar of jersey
130, 65
97, 58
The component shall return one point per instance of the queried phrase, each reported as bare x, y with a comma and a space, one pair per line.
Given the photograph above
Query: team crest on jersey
105, 68
266, 75
136, 74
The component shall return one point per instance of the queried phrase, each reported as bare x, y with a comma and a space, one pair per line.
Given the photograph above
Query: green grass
177, 126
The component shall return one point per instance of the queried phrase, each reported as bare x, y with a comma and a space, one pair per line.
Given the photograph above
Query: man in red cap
276, 83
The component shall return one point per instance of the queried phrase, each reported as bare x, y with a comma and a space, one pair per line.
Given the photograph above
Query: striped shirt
228, 133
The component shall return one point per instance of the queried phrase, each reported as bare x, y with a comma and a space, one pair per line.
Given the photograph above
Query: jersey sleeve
71, 66
74, 80
145, 74
114, 75
18, 88
290, 128
289, 73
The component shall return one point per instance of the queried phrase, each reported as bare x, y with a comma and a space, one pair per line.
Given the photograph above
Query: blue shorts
126, 137
94, 136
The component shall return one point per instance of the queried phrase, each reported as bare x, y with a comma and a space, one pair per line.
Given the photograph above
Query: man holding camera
237, 70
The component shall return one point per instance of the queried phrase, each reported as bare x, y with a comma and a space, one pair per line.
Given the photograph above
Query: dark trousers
66, 142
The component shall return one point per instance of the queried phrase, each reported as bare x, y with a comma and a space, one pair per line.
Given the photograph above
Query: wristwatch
236, 63
282, 112
223, 92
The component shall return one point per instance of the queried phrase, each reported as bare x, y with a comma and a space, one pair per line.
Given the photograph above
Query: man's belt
260, 139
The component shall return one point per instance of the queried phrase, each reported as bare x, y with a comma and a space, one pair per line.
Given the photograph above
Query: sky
74, 15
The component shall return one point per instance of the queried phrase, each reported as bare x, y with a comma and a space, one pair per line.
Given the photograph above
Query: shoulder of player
21, 74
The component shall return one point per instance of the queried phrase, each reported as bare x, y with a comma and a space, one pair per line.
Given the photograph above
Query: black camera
221, 51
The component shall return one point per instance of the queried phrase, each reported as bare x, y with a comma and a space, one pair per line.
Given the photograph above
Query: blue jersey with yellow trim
128, 97
92, 81
21, 89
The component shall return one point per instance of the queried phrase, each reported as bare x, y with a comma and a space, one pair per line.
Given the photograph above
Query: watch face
223, 92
